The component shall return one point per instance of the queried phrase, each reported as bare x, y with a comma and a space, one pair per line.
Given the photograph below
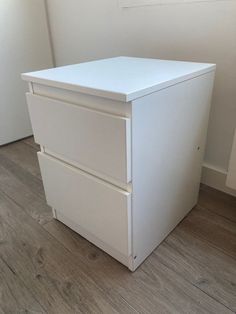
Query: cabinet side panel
168, 139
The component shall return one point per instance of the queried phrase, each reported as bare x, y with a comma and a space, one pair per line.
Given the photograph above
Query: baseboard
216, 178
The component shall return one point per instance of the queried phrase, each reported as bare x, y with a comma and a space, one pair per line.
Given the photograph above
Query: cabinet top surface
120, 78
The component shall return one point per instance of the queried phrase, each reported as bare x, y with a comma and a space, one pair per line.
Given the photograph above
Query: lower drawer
101, 209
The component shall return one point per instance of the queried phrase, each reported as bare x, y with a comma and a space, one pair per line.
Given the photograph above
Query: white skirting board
231, 177
216, 178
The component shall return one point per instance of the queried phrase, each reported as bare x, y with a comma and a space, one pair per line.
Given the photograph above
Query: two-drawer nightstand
122, 143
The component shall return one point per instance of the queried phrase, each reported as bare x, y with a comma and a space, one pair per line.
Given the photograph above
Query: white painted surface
24, 46
216, 178
123, 258
98, 207
119, 108
96, 140
127, 186
231, 177
121, 78
203, 32
168, 137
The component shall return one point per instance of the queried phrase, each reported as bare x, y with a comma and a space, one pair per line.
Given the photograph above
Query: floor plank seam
129, 304
62, 245
99, 288
21, 207
21, 281
42, 197
174, 272
32, 146
214, 299
213, 245
217, 214
194, 285
15, 164
8, 196
91, 270
189, 282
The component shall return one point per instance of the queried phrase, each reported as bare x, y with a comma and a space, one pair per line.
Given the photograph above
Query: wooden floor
47, 268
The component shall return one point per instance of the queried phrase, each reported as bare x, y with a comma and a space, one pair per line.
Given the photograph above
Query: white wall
205, 32
24, 46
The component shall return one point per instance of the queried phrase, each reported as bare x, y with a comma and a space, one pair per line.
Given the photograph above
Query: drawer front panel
98, 207
99, 141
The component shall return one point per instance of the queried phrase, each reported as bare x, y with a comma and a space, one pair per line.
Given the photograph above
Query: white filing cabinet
122, 143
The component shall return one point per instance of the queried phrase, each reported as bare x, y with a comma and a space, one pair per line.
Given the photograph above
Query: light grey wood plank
218, 202
25, 189
14, 297
56, 279
30, 141
214, 229
178, 292
67, 274
1, 310
200, 264
24, 176
148, 290
23, 155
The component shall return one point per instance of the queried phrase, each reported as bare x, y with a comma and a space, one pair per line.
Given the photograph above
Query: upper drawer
96, 140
